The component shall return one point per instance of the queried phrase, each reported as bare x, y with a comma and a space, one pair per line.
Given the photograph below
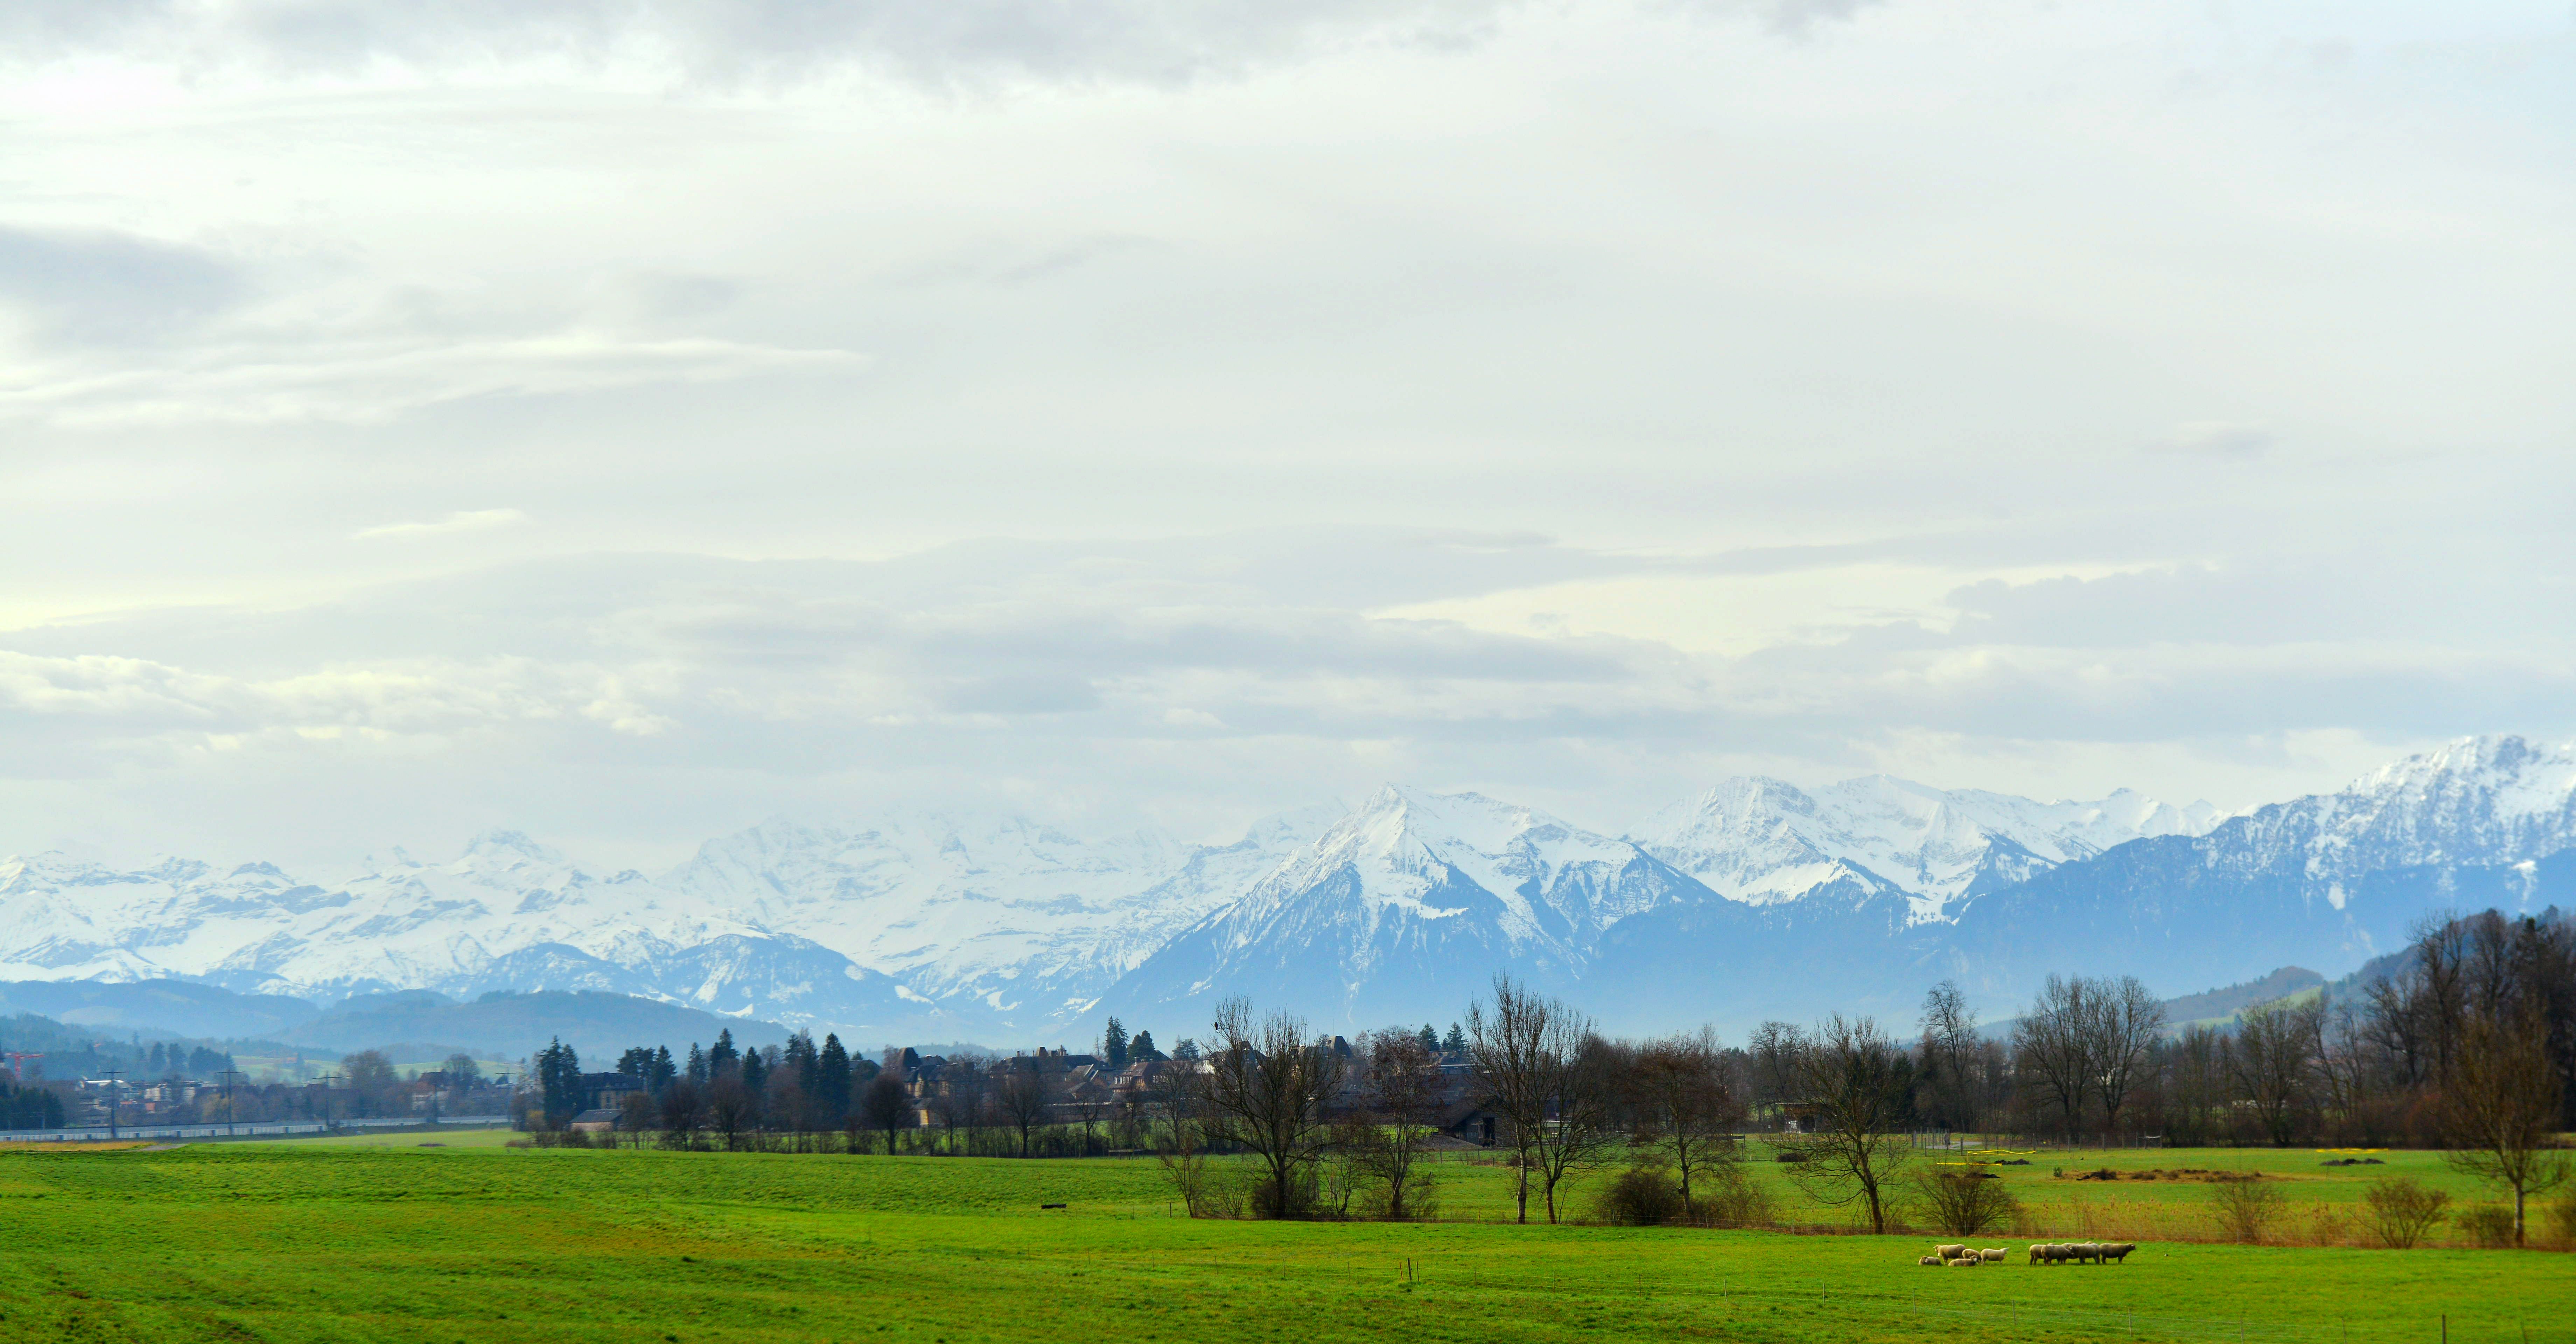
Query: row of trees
1323, 1125
2465, 1048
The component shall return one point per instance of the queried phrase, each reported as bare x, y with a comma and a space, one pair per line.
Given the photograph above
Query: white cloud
2216, 438
469, 520
1186, 409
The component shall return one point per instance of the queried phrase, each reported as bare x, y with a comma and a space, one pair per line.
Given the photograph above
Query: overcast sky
627, 419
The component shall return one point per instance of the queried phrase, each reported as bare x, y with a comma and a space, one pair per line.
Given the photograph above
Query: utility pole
330, 1083
228, 1076
113, 1074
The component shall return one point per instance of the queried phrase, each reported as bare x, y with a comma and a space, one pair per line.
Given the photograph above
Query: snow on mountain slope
1759, 840
1006, 913
508, 914
2495, 799
1858, 894
1408, 906
2327, 880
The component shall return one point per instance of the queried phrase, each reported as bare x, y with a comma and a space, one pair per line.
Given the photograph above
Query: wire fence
2542, 1322
246, 1129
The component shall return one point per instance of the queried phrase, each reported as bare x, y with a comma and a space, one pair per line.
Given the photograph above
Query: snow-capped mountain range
1753, 899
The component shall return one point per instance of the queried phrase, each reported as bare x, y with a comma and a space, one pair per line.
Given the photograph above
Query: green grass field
380, 1239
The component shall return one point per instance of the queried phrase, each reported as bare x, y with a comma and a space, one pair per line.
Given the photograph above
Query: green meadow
382, 1239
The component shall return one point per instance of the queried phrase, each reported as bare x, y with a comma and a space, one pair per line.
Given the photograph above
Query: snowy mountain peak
2500, 796
507, 852
2520, 777
1761, 841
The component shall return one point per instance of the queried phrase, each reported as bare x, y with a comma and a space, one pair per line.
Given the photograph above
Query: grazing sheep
1929, 1260
1995, 1256
2089, 1252
2118, 1250
1951, 1251
1966, 1262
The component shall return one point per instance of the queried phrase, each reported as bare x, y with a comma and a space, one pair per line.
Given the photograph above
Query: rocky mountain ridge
1753, 899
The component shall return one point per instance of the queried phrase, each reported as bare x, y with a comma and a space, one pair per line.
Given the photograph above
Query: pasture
381, 1239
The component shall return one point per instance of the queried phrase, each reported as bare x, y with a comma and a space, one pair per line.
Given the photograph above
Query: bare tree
2052, 1046
1585, 1129
887, 1105
1026, 1091
2122, 1020
2273, 1062
1267, 1084
1402, 1096
2501, 1108
1774, 1049
1950, 1050
1509, 1043
683, 1110
1551, 1079
1855, 1088
1679, 1084
731, 1109
635, 1116
1174, 1090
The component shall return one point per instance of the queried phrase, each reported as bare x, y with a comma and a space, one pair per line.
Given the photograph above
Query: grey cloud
103, 287
1154, 40
1793, 17
1170, 677
2353, 597
791, 665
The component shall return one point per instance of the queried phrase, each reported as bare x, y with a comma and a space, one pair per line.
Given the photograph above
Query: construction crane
17, 1069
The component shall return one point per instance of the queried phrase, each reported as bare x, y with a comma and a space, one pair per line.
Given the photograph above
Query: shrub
1964, 1203
2489, 1225
1734, 1199
1641, 1197
2562, 1222
2400, 1210
2245, 1207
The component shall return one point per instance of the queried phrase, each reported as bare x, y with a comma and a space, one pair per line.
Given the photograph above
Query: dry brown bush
1964, 1203
2400, 1210
2245, 1208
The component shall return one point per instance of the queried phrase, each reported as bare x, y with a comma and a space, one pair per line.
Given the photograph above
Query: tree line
2466, 1047
810, 1096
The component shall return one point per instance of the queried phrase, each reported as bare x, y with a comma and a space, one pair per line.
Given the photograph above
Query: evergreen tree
755, 1072
697, 1065
1430, 1038
1113, 1042
559, 1080
1143, 1047
1456, 1040
637, 1063
722, 1056
800, 1058
831, 1090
